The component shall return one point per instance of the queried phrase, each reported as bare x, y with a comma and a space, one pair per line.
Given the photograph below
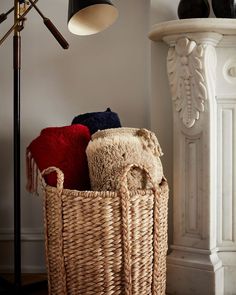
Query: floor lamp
85, 17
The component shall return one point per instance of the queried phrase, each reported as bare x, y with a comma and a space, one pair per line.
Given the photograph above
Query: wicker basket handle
126, 231
127, 169
60, 176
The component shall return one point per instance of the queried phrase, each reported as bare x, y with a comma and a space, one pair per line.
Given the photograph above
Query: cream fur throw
110, 150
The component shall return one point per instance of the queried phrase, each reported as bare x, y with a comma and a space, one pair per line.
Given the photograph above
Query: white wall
108, 69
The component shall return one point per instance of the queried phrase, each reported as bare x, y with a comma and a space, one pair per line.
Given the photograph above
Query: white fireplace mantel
201, 67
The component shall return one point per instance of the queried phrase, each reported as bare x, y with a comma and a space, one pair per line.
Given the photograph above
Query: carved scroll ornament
187, 79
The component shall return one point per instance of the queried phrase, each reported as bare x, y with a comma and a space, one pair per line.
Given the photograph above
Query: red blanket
64, 148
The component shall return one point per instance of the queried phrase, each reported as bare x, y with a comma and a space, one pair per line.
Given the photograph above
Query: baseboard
33, 250
26, 269
27, 234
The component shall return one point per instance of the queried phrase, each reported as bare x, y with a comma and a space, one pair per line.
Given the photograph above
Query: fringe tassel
32, 173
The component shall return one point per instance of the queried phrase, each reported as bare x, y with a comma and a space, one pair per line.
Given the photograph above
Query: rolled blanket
98, 120
64, 148
110, 150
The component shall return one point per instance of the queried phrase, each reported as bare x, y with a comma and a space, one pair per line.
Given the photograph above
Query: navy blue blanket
98, 120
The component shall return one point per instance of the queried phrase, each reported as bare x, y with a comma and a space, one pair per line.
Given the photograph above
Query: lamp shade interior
92, 18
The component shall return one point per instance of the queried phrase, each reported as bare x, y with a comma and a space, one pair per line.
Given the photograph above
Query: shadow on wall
31, 207
161, 118
31, 213
164, 11
6, 187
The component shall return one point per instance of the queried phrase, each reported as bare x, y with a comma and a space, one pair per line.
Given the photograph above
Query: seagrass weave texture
106, 242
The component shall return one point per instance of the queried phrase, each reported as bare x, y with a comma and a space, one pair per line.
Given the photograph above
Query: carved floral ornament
187, 79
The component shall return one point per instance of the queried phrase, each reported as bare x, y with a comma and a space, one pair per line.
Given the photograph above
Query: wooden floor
34, 284
37, 282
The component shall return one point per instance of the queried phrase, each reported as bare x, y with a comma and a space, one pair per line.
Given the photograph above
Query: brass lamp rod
36, 7
16, 23
17, 148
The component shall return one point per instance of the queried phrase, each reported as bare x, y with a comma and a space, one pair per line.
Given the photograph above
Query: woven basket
106, 242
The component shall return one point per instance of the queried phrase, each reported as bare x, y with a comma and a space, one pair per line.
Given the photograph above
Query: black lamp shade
87, 17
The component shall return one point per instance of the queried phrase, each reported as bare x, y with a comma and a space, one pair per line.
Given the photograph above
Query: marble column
201, 61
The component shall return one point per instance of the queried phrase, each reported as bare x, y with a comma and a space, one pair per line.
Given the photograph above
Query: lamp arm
54, 31
21, 18
57, 35
3, 16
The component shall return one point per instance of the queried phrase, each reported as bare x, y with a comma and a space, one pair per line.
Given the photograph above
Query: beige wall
119, 68
160, 99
